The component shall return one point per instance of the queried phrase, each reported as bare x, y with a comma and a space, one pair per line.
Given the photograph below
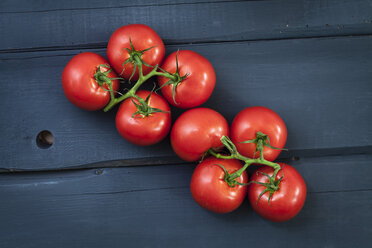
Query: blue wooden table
310, 61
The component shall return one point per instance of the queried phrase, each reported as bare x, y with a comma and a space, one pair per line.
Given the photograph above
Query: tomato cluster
276, 191
186, 79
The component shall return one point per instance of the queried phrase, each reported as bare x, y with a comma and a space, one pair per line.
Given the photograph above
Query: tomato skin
142, 37
253, 119
286, 202
198, 85
143, 131
196, 131
79, 84
209, 189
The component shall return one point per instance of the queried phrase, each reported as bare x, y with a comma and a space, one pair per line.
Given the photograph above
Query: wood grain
11, 6
320, 87
93, 189
152, 206
39, 25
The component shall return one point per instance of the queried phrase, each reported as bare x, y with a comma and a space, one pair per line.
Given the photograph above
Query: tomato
141, 130
142, 37
252, 120
197, 87
209, 189
196, 131
79, 84
286, 202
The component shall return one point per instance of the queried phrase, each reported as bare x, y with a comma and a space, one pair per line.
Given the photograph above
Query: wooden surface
310, 61
305, 78
90, 23
152, 207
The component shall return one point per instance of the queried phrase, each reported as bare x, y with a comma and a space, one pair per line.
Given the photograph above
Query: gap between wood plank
125, 6
127, 191
339, 191
104, 45
185, 187
290, 156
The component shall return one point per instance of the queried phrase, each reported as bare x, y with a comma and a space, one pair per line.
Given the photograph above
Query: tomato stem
234, 154
230, 179
261, 140
141, 79
135, 58
103, 78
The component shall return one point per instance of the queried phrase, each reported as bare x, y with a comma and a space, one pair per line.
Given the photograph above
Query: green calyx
261, 140
229, 145
135, 58
143, 108
271, 186
229, 179
175, 80
102, 78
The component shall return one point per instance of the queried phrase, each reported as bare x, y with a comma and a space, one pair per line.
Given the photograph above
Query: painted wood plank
320, 87
152, 206
85, 24
322, 174
108, 221
39, 6
7, 6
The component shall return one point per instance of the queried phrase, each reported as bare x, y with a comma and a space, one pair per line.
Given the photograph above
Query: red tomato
286, 202
258, 119
198, 85
196, 131
142, 37
141, 130
209, 189
79, 84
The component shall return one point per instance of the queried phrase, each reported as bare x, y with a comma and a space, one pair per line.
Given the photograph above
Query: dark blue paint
90, 23
320, 86
152, 207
